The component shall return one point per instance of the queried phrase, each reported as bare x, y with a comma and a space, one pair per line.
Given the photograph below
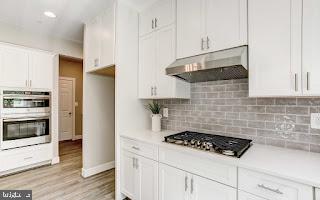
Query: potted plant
155, 109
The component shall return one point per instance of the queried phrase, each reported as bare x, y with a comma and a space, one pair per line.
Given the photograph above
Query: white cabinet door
128, 178
146, 21
226, 24
246, 196
164, 12
14, 67
107, 30
92, 44
147, 182
173, 183
165, 45
205, 189
317, 194
41, 70
311, 47
190, 29
274, 47
147, 66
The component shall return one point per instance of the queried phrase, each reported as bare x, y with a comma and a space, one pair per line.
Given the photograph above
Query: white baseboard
55, 160
77, 137
97, 169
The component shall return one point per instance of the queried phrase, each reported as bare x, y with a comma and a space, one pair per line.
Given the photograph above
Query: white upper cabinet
159, 15
210, 25
99, 41
25, 68
14, 67
274, 47
226, 24
157, 50
311, 47
41, 70
190, 25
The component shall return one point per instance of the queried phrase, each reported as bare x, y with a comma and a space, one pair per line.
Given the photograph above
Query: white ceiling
71, 14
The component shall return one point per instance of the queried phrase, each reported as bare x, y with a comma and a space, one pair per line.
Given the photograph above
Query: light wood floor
63, 181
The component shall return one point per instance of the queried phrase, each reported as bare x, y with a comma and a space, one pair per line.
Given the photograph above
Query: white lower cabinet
317, 194
139, 177
176, 184
246, 196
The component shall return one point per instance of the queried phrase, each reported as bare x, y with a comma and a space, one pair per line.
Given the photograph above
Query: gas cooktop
229, 146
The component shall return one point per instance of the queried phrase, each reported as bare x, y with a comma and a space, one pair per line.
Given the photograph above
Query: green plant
154, 107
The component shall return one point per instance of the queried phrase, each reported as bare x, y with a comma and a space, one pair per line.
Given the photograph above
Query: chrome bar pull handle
186, 183
152, 24
296, 82
308, 80
208, 42
262, 186
135, 148
133, 162
156, 22
202, 44
191, 185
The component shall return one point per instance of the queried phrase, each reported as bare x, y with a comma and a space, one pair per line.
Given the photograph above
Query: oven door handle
24, 119
25, 97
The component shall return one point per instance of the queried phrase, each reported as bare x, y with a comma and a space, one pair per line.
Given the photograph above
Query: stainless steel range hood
220, 65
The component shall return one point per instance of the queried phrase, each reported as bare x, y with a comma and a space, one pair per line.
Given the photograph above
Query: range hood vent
221, 65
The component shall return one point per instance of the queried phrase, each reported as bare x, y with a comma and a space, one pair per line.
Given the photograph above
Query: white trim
73, 104
55, 160
77, 137
97, 169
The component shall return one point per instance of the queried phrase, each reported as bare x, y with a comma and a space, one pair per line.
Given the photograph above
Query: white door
225, 24
147, 182
173, 183
205, 189
147, 65
41, 70
164, 12
274, 47
317, 194
190, 27
92, 44
127, 176
14, 67
247, 196
165, 45
311, 47
107, 38
66, 108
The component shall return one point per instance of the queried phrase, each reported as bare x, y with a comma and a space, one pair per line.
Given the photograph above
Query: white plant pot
156, 122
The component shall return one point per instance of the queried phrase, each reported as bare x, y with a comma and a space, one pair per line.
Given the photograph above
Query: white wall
14, 35
130, 111
98, 124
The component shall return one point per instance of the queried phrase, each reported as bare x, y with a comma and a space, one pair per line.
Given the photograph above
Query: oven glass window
25, 103
13, 130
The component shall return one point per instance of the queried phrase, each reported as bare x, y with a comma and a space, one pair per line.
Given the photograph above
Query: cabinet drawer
246, 196
317, 194
272, 188
202, 166
140, 148
25, 156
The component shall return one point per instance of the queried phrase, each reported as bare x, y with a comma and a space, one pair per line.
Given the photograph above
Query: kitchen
231, 92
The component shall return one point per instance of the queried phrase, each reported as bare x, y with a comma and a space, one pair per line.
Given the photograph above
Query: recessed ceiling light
50, 14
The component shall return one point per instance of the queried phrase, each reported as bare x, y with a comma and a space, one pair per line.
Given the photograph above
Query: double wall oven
25, 118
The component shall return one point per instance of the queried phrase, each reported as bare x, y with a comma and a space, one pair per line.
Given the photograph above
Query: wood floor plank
63, 181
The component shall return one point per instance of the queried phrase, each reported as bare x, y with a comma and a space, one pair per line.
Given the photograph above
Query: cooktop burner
215, 143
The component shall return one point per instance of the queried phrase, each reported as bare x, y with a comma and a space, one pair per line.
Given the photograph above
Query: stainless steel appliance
229, 146
25, 118
220, 65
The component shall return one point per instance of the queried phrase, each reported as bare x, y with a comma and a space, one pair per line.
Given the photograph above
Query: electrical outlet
165, 112
315, 120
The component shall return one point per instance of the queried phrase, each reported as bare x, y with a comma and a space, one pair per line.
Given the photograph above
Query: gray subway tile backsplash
223, 107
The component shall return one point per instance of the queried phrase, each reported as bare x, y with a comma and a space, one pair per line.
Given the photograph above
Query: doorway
70, 98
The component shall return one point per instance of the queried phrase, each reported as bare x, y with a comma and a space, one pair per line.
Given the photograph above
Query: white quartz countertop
295, 165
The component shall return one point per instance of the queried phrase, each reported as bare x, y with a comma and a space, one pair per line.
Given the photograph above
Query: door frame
73, 104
